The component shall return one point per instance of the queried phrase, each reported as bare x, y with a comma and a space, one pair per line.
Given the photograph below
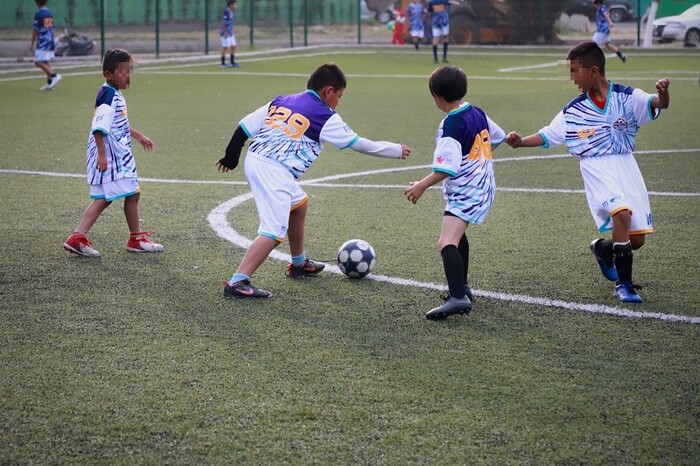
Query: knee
624, 217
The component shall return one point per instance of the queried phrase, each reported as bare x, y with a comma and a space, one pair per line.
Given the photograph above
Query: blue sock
237, 277
299, 260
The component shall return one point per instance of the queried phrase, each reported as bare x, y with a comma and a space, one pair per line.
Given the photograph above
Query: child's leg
637, 241
256, 254
45, 67
224, 51
233, 53
91, 214
453, 229
445, 45
131, 212
622, 246
297, 226
463, 249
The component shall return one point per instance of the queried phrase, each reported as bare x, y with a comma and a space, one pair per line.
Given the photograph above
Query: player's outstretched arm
381, 148
514, 140
663, 98
233, 151
144, 140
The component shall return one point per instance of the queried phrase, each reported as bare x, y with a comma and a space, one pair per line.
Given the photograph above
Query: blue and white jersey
110, 118
439, 9
589, 131
415, 16
464, 142
227, 20
601, 23
292, 129
43, 25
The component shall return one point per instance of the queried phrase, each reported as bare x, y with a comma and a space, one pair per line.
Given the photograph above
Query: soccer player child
604, 24
415, 17
228, 40
600, 127
111, 167
440, 11
43, 44
288, 134
462, 161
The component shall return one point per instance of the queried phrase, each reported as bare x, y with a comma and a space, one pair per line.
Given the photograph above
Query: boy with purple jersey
600, 127
415, 12
288, 134
462, 162
228, 40
604, 24
440, 12
111, 168
43, 45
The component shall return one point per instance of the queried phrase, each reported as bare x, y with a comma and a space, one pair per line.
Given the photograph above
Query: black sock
232, 60
619, 53
416, 45
623, 261
463, 249
223, 59
435, 52
604, 247
452, 261
53, 75
444, 50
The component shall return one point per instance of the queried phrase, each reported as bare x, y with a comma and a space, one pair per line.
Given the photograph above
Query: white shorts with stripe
276, 194
441, 32
229, 41
614, 183
114, 190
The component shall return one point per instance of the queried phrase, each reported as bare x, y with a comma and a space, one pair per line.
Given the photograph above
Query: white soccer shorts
114, 190
229, 41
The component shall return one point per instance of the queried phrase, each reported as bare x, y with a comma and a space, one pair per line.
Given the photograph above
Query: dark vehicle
620, 10
71, 43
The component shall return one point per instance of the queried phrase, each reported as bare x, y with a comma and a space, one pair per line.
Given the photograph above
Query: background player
440, 12
43, 45
228, 40
415, 12
604, 24
600, 127
288, 134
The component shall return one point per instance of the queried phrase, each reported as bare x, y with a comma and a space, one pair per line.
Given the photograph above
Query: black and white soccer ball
356, 258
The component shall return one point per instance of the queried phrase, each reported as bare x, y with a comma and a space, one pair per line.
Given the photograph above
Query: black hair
230, 2
113, 57
329, 74
448, 82
41, 2
599, 2
588, 54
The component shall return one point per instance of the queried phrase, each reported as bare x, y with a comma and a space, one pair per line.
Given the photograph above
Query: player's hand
146, 143
405, 151
662, 85
221, 167
101, 163
514, 140
413, 192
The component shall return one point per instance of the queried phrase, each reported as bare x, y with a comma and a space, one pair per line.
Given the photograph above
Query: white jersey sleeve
555, 133
337, 133
253, 122
447, 157
643, 111
496, 133
102, 119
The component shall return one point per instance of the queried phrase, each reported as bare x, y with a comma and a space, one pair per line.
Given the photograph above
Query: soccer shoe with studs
449, 307
139, 242
467, 292
308, 269
607, 265
78, 243
243, 289
627, 293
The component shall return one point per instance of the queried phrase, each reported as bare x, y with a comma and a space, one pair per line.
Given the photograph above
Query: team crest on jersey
441, 159
586, 133
620, 124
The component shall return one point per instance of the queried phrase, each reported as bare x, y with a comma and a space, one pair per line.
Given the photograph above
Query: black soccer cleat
451, 306
243, 289
308, 269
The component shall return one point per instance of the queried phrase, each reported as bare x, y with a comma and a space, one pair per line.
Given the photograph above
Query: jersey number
48, 22
481, 149
293, 125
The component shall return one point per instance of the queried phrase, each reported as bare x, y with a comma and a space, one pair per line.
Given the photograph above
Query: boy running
43, 45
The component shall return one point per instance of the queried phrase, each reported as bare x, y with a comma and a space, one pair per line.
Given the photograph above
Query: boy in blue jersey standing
43, 45
111, 167
604, 24
228, 40
415, 11
462, 162
440, 12
288, 135
600, 127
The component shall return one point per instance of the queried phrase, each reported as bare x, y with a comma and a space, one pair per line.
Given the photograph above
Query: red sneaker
77, 243
139, 242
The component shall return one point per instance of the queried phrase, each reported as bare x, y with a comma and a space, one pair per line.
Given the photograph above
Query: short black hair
448, 82
588, 54
41, 2
113, 57
599, 2
328, 74
230, 2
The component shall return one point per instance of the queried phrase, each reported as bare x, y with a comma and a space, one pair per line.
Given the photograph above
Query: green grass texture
138, 359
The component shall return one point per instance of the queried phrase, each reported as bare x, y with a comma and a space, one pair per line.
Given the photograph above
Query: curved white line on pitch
217, 218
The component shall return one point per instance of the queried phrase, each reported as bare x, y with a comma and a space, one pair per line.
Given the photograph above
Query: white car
685, 27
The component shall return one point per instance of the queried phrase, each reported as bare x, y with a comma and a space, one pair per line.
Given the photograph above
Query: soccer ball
356, 258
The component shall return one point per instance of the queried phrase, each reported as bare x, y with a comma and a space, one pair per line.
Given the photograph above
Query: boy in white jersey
288, 134
462, 162
600, 127
111, 168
